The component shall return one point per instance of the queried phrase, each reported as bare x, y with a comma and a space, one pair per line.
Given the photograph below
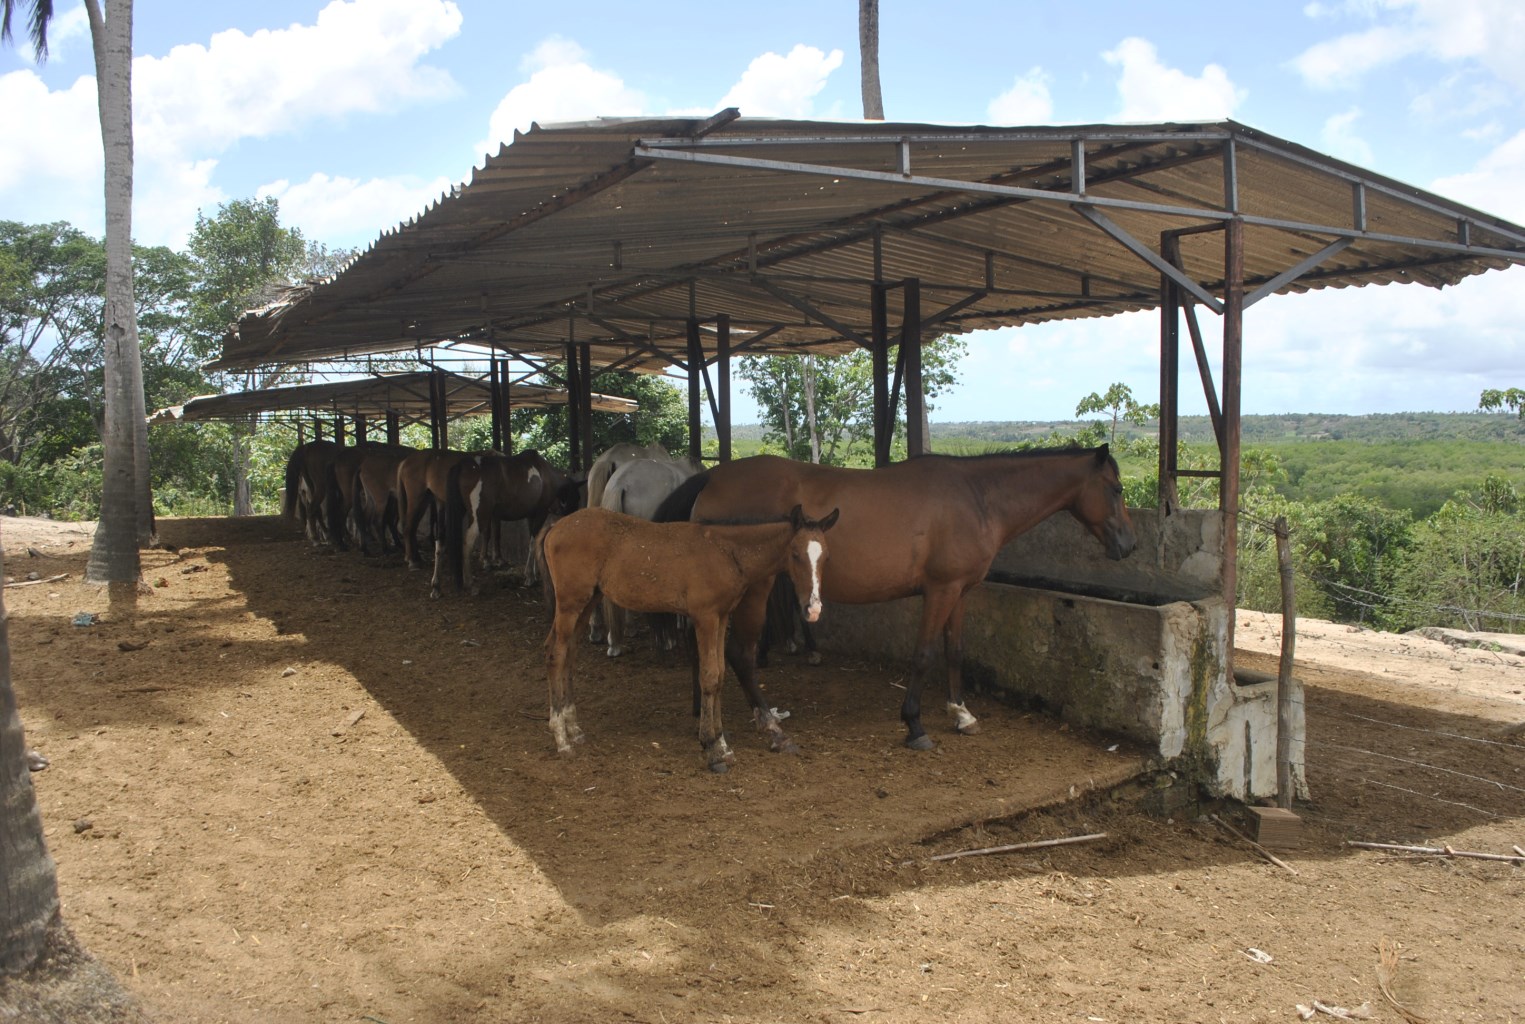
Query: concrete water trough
1136, 648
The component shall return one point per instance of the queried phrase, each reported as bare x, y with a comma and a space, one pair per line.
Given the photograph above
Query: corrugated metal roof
404, 393
614, 232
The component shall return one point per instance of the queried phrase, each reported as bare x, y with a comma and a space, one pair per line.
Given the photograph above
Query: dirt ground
292, 788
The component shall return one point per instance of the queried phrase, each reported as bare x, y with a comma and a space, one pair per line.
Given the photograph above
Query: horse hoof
922, 742
615, 652
719, 767
786, 747
971, 729
815, 658
565, 751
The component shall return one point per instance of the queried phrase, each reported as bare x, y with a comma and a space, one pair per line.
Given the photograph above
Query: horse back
901, 527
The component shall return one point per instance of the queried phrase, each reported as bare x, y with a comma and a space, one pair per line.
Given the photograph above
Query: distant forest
1410, 461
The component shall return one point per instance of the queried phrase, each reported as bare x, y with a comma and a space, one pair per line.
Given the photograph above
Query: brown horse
309, 488
373, 507
484, 491
700, 570
421, 488
928, 526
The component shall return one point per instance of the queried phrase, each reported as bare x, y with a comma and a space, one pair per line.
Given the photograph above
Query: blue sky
357, 113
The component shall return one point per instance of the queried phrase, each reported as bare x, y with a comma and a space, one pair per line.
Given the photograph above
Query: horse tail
678, 507
335, 509
452, 526
547, 585
293, 481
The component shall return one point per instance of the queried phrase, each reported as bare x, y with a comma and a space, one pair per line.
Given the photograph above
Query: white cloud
1496, 185
1340, 140
1026, 102
1339, 62
1150, 91
783, 86
195, 102
361, 56
562, 86
1490, 32
349, 212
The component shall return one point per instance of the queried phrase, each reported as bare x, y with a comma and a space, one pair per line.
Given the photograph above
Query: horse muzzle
1119, 544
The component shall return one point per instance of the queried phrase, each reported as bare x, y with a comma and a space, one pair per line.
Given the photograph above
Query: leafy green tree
1120, 404
1494, 399
662, 416
820, 409
1353, 548
243, 258
1467, 564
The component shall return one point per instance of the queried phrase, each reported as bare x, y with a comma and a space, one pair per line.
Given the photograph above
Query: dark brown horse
484, 491
421, 490
928, 526
700, 570
309, 487
374, 507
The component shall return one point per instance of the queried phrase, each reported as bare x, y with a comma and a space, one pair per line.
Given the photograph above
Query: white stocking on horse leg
963, 721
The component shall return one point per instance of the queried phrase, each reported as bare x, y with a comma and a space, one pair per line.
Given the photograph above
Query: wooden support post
723, 383
339, 434
1285, 712
574, 399
695, 386
585, 405
1170, 379
439, 411
394, 428
495, 404
1233, 355
880, 353
301, 433
361, 428
317, 428
917, 441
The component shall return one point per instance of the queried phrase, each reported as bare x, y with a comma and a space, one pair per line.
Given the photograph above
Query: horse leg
614, 623
597, 624
741, 651
559, 654
953, 650
710, 636
413, 514
937, 605
472, 532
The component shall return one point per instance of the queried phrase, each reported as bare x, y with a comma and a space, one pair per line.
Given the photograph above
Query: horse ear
830, 520
1102, 453
797, 516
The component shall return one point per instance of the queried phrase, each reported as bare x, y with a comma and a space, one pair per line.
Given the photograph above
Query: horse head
807, 558
1099, 505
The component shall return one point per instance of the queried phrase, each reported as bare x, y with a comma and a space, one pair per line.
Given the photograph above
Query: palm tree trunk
114, 553
868, 52
28, 884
